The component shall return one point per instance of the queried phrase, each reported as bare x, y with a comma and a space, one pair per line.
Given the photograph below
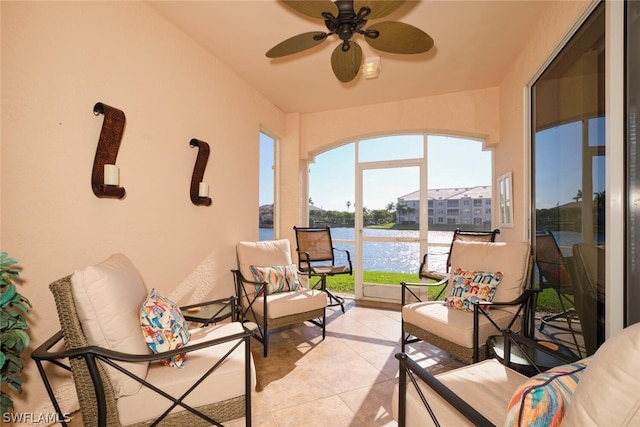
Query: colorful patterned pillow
283, 278
164, 327
542, 400
469, 286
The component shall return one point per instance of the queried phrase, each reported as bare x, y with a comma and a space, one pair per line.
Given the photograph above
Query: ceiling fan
346, 18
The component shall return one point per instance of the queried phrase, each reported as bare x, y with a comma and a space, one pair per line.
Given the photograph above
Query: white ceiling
475, 43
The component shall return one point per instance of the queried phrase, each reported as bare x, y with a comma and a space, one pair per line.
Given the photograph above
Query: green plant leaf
5, 402
8, 294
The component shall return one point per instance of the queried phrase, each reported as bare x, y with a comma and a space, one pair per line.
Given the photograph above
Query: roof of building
478, 192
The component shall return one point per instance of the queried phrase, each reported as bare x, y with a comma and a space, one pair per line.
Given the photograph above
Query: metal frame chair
441, 277
289, 307
554, 273
316, 256
442, 326
98, 402
413, 375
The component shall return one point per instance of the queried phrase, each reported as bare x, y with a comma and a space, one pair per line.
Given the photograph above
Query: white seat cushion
108, 297
288, 303
454, 325
487, 386
226, 382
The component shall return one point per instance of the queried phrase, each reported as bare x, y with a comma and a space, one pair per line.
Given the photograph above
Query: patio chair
488, 291
595, 391
316, 256
119, 380
271, 292
553, 273
441, 277
587, 275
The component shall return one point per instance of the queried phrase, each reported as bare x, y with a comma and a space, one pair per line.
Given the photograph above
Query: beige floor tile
372, 404
295, 387
327, 412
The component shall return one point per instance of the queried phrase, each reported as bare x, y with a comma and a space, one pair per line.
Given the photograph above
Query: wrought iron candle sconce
199, 190
105, 180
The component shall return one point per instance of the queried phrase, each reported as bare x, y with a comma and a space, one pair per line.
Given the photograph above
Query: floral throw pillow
163, 326
282, 278
469, 286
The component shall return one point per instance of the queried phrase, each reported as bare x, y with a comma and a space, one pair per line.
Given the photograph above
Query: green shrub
13, 336
547, 300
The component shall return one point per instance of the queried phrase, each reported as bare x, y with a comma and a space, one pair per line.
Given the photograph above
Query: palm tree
578, 196
348, 205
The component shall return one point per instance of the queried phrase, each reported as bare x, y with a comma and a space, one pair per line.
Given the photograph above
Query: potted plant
13, 336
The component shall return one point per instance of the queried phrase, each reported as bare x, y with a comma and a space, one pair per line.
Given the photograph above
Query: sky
452, 162
559, 162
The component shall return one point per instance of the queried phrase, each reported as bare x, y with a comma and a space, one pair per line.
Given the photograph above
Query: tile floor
345, 380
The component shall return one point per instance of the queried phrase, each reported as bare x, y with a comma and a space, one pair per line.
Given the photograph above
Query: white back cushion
510, 258
608, 393
267, 253
108, 298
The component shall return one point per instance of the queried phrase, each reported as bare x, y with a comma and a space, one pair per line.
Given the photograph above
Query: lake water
397, 257
405, 257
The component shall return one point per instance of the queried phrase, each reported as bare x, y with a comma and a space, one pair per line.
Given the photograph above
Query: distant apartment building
448, 206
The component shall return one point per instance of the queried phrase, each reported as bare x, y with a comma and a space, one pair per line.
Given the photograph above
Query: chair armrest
348, 257
523, 298
438, 283
43, 351
410, 368
405, 288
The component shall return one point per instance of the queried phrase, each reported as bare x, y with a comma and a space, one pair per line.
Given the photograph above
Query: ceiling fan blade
346, 64
379, 8
312, 8
398, 37
297, 44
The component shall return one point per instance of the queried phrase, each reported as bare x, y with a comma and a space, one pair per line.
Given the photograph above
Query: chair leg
334, 300
566, 314
265, 338
339, 301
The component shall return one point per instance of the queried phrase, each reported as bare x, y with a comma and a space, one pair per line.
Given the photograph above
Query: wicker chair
215, 355
277, 309
463, 333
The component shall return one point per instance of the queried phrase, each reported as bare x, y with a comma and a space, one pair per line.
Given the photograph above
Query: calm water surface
397, 257
403, 257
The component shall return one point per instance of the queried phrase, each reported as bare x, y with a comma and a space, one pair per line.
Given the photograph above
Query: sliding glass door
568, 168
632, 300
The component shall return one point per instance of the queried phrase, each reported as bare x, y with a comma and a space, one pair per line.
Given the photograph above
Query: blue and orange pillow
543, 399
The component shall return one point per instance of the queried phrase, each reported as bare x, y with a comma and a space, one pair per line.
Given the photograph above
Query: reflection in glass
568, 162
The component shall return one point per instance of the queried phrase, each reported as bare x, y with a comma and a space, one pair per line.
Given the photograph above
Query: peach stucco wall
58, 60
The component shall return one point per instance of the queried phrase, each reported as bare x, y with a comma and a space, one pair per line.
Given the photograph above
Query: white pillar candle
111, 175
203, 190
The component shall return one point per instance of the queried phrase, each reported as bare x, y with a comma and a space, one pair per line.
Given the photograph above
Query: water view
397, 257
405, 257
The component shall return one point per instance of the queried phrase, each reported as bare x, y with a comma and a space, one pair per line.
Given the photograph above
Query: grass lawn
547, 299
